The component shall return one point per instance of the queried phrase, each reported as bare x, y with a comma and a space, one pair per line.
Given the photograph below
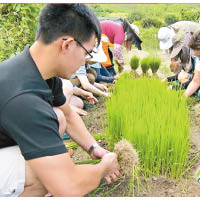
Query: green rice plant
145, 65
134, 63
154, 119
154, 64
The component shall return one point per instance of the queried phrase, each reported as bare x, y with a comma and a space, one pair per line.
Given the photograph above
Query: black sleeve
172, 78
55, 84
33, 124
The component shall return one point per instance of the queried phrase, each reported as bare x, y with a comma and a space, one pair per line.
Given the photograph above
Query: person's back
20, 80
114, 31
186, 26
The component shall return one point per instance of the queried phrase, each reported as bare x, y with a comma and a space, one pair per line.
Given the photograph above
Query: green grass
155, 120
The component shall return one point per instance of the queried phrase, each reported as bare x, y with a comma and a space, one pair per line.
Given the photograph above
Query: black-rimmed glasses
80, 44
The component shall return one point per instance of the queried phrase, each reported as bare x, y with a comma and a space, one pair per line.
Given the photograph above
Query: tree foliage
18, 26
99, 11
151, 22
171, 19
135, 16
190, 14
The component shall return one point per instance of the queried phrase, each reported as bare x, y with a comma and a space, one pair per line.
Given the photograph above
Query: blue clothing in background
103, 74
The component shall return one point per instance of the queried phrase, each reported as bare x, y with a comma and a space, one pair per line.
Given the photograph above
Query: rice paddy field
154, 130
161, 126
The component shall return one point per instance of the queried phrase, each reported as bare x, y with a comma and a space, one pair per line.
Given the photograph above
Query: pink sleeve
117, 53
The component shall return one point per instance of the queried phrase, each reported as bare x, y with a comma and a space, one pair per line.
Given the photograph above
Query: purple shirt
114, 31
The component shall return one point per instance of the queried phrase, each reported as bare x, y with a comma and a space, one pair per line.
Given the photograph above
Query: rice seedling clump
145, 65
127, 156
154, 119
154, 64
134, 62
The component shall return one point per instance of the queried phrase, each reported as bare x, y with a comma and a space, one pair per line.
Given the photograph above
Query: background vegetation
17, 27
18, 21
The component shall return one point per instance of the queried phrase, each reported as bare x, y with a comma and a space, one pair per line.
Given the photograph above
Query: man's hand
112, 167
98, 152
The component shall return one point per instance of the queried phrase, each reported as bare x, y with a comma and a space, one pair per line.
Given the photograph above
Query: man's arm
61, 177
194, 84
76, 128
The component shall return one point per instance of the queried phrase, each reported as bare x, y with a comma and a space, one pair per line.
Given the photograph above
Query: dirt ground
150, 187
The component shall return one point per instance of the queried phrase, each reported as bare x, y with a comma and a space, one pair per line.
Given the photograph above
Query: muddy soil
150, 187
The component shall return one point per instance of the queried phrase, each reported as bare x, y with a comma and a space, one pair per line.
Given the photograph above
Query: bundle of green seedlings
134, 63
154, 119
145, 65
154, 64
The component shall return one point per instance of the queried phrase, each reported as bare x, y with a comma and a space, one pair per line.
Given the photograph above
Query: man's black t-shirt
27, 118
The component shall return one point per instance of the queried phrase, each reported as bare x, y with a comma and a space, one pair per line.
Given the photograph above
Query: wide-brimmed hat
98, 54
165, 35
178, 44
135, 28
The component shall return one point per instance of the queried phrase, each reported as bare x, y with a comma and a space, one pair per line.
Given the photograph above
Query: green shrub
145, 64
154, 64
171, 19
151, 22
190, 14
154, 119
18, 26
99, 10
134, 16
134, 62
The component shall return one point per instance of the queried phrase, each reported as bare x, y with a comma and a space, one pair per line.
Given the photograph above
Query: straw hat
135, 28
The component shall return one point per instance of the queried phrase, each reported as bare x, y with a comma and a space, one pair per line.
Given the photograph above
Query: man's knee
61, 120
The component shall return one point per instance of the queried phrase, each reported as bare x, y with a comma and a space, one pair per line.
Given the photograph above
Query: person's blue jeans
103, 75
111, 70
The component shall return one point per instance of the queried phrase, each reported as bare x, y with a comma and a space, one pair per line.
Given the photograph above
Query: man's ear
67, 42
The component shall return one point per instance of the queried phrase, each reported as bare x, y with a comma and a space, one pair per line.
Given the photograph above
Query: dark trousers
103, 75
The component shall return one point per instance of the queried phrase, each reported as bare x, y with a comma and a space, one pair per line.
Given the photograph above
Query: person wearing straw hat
174, 39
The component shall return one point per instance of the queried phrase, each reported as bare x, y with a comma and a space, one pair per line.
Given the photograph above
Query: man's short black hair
76, 20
